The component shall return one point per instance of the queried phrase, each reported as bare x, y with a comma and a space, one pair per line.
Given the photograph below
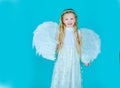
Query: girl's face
69, 19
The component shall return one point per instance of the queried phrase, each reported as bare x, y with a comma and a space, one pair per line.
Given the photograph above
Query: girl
67, 67
72, 46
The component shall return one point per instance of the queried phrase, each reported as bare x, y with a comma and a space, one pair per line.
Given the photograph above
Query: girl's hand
87, 64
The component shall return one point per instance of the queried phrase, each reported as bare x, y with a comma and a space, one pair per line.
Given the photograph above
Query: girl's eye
71, 18
66, 19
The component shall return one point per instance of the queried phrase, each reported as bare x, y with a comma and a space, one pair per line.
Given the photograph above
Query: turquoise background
19, 65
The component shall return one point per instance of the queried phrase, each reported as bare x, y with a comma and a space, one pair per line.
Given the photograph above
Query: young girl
68, 45
67, 67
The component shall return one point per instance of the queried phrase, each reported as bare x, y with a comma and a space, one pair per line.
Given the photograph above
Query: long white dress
67, 72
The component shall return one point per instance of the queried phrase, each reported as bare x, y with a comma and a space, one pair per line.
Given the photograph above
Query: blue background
19, 65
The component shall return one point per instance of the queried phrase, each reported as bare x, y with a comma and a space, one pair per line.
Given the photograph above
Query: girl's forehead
68, 15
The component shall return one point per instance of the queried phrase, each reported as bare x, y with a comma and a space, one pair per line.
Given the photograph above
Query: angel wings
44, 41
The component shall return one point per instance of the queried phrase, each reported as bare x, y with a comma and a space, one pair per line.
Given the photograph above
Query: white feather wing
44, 39
90, 45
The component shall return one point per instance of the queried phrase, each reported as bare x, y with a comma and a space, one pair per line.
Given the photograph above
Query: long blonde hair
61, 33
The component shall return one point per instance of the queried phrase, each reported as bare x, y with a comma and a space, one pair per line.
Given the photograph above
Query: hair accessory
68, 10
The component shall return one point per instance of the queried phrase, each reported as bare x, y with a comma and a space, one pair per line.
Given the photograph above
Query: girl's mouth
69, 24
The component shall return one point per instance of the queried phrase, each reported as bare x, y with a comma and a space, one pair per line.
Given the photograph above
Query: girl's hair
61, 33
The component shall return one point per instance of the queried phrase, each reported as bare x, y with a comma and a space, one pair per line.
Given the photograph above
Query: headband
68, 10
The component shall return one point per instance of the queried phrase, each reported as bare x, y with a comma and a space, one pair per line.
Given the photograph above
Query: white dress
67, 72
